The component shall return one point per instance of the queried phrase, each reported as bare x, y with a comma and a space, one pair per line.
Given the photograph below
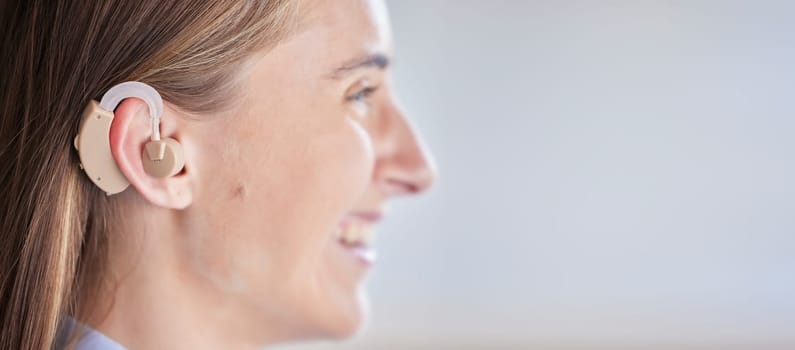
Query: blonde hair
56, 55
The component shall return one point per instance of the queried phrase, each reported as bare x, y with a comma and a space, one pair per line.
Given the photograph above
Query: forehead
361, 25
329, 33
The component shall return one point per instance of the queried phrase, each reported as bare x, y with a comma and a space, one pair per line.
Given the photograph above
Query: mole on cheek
239, 191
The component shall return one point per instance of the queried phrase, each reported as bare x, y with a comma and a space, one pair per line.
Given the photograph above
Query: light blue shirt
88, 339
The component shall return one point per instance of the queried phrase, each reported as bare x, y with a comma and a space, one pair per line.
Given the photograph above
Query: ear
130, 130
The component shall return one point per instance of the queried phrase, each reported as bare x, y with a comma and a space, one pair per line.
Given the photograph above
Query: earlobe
139, 158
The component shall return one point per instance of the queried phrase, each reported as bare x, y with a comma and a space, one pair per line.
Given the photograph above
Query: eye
363, 94
359, 97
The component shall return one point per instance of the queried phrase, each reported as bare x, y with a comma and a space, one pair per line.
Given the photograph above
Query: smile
356, 238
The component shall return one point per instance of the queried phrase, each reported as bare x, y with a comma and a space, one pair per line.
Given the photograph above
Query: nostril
399, 187
405, 180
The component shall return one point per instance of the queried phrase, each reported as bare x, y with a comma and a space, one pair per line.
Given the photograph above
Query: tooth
356, 233
367, 235
364, 234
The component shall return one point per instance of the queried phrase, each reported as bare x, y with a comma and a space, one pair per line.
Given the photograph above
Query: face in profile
290, 185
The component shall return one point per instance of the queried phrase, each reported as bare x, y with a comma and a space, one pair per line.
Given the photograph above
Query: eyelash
363, 94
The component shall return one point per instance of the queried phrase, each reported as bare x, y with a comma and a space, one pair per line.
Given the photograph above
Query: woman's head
286, 113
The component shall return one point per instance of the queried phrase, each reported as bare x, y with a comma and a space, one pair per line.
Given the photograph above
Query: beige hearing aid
162, 158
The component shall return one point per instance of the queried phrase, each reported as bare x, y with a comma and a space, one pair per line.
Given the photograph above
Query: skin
238, 250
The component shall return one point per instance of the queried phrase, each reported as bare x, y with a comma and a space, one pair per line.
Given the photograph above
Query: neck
156, 300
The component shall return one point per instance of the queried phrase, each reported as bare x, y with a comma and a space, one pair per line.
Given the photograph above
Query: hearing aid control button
80, 164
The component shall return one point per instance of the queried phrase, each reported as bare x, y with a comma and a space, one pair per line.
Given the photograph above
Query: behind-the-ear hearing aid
163, 157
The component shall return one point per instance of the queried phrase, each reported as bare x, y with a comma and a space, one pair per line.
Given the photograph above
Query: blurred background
613, 175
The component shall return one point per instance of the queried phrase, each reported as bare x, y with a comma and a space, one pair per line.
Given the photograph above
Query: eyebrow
376, 60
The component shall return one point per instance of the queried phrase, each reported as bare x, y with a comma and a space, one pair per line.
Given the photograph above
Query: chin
348, 320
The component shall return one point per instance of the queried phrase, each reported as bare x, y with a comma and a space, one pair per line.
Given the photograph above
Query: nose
404, 163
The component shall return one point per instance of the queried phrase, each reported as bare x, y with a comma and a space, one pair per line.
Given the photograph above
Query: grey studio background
613, 175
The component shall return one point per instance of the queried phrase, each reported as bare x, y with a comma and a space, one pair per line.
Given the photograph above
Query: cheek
274, 202
323, 178
325, 288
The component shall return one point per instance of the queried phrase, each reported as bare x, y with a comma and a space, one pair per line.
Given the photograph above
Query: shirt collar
88, 339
